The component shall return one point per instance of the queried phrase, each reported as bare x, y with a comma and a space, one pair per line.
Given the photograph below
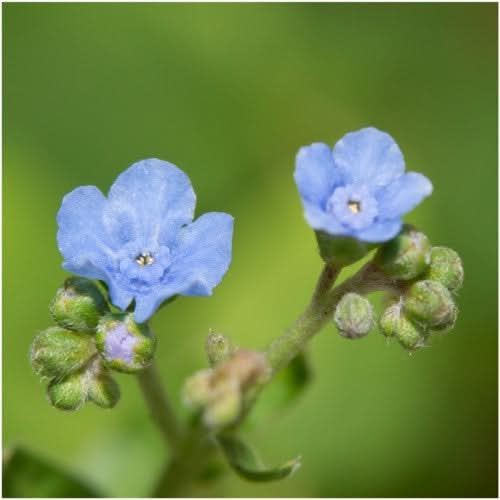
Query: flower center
144, 259
354, 206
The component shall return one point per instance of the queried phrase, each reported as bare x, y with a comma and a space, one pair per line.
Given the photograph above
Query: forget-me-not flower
141, 240
360, 188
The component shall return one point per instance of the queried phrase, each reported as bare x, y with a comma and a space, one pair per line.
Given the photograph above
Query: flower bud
450, 324
125, 345
69, 393
245, 367
429, 303
353, 316
446, 267
78, 305
406, 256
103, 389
225, 408
57, 352
340, 250
197, 391
219, 348
394, 323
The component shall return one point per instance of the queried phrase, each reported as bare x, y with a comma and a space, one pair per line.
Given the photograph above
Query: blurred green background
229, 93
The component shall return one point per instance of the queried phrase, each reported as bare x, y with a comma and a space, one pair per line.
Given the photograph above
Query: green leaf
298, 374
27, 476
245, 462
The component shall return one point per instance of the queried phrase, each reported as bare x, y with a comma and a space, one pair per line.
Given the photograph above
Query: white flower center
354, 206
145, 259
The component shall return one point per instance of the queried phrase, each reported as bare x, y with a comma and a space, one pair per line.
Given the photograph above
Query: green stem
193, 453
159, 405
368, 279
195, 448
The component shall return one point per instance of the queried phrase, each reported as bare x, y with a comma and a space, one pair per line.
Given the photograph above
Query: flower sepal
340, 250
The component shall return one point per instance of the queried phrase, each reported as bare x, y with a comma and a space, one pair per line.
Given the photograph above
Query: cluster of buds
220, 392
423, 280
76, 356
428, 278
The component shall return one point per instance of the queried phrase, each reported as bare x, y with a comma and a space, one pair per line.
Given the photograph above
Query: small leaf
245, 462
26, 476
299, 374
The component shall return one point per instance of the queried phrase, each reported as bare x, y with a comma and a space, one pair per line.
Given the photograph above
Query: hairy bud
225, 408
69, 393
57, 352
246, 367
446, 267
353, 316
103, 389
394, 323
429, 303
125, 345
219, 348
78, 305
220, 392
198, 390
90, 383
406, 256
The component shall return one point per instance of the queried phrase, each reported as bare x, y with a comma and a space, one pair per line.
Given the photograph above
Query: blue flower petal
203, 254
200, 259
149, 202
315, 173
146, 305
81, 238
119, 297
320, 220
368, 156
380, 231
403, 195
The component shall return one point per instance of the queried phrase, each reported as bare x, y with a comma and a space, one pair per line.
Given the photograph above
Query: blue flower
141, 240
360, 189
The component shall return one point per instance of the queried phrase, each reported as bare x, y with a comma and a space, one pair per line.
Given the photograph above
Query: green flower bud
389, 322
79, 305
353, 316
69, 393
125, 345
219, 348
429, 303
446, 267
406, 256
225, 408
340, 250
103, 389
394, 323
450, 324
198, 390
57, 352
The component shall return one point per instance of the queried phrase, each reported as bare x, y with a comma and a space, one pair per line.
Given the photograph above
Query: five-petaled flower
141, 240
360, 188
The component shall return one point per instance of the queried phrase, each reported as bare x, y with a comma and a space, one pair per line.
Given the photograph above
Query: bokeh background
229, 93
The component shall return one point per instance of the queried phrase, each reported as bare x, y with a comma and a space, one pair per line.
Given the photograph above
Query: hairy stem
195, 449
180, 474
368, 279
